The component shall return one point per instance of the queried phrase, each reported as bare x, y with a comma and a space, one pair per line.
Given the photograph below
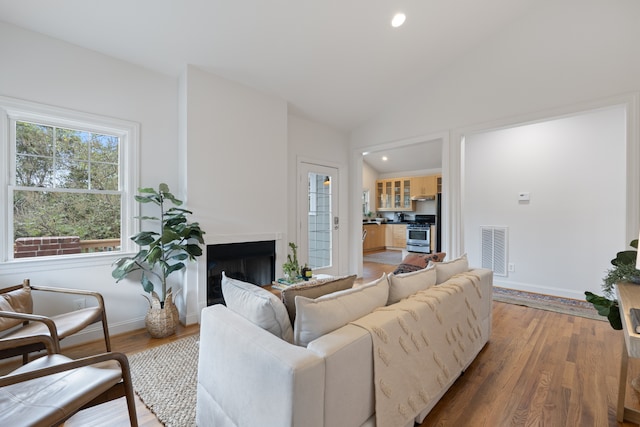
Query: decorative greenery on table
623, 270
291, 268
163, 249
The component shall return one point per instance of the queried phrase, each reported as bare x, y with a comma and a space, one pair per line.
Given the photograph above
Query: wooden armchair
17, 320
52, 388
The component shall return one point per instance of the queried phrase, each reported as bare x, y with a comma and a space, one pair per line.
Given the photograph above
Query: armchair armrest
66, 366
46, 340
51, 326
95, 295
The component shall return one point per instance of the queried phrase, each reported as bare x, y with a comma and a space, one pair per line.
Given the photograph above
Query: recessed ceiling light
384, 158
398, 19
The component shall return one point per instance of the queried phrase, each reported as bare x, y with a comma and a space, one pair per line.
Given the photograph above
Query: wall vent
494, 249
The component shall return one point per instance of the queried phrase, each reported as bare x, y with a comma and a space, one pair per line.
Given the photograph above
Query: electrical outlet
79, 304
512, 267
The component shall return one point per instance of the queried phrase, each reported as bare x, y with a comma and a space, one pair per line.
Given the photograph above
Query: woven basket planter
162, 321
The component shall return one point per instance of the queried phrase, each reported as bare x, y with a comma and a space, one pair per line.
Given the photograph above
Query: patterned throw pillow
416, 261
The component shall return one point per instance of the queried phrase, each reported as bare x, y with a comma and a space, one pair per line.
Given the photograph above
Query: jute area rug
164, 378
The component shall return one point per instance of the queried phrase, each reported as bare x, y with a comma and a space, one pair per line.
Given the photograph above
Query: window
71, 177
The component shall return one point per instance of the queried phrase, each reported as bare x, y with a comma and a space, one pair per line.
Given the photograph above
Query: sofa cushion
415, 261
18, 301
403, 285
257, 305
313, 291
444, 270
316, 317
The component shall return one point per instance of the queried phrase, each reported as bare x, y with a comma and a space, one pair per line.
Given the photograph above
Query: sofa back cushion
316, 317
444, 270
313, 291
403, 285
257, 305
18, 301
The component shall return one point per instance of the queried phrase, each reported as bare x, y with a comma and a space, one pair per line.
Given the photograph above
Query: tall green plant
623, 270
163, 249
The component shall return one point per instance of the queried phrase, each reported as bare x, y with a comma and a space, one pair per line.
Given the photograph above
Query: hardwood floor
539, 369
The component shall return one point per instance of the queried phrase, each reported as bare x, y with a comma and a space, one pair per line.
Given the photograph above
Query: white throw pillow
316, 317
444, 270
257, 305
406, 284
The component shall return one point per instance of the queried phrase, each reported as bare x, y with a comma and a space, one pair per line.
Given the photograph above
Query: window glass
71, 182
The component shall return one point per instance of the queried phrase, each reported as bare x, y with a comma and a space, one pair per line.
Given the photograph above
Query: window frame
12, 110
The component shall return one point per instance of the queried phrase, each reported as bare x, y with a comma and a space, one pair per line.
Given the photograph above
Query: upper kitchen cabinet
394, 194
425, 186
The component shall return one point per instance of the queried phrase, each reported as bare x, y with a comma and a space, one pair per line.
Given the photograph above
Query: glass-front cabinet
394, 194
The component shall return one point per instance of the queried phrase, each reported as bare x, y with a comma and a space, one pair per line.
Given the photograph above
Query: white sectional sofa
383, 363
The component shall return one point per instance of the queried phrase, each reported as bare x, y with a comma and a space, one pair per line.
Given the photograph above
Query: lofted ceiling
335, 62
415, 157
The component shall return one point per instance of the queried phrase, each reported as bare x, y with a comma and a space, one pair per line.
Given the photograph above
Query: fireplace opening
252, 262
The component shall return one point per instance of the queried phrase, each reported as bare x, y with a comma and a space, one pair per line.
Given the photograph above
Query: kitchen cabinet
375, 238
396, 236
425, 185
394, 194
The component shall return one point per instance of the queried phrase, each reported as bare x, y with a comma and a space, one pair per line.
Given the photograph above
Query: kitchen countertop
387, 222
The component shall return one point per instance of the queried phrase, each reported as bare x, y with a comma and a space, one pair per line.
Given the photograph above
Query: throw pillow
257, 305
316, 317
403, 285
18, 301
444, 270
313, 291
415, 261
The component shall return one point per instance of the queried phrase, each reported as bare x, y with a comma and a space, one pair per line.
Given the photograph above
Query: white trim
127, 131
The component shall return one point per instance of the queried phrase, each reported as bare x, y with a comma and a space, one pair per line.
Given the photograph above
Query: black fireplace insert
252, 262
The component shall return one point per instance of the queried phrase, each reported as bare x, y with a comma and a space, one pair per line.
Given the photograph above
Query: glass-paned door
319, 220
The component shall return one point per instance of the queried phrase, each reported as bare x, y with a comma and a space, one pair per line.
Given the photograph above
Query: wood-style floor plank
539, 369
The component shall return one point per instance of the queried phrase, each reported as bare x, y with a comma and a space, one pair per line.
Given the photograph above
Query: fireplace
252, 262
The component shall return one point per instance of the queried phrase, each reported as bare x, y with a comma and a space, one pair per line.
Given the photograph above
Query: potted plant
291, 268
623, 270
163, 248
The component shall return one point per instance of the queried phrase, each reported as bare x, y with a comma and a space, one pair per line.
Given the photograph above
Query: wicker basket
161, 321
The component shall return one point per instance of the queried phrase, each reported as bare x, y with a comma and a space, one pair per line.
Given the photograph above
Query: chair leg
105, 329
128, 391
25, 358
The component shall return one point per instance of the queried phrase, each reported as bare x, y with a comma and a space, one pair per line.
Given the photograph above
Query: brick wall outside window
26, 247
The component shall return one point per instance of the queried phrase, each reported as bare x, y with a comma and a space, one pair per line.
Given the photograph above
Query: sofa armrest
349, 393
248, 376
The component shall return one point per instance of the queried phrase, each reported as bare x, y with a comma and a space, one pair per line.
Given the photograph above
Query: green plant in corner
623, 270
164, 248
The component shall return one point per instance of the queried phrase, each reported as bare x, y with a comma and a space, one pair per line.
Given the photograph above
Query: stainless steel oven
419, 238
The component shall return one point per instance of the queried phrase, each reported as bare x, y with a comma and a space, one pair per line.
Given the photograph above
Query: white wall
222, 147
569, 54
562, 240
40, 69
235, 168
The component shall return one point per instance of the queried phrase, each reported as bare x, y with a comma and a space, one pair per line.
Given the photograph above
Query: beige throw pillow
316, 317
403, 285
313, 291
444, 270
257, 305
